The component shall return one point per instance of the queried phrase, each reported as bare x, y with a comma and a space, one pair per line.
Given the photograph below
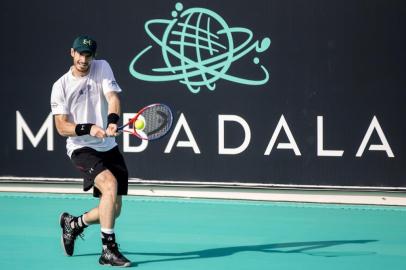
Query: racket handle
121, 128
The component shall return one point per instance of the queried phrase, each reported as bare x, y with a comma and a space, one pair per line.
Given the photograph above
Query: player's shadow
287, 248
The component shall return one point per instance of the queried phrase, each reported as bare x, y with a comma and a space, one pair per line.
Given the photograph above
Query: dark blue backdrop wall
271, 92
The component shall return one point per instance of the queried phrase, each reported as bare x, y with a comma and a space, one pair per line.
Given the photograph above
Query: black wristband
112, 118
83, 129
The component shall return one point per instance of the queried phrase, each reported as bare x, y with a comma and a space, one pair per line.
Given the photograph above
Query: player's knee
107, 183
111, 185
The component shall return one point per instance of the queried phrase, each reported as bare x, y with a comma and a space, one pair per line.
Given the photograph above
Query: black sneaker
113, 257
69, 234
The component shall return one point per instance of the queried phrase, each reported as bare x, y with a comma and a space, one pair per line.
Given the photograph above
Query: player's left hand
111, 130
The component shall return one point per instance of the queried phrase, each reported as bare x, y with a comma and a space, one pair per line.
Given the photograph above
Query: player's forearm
113, 113
65, 128
113, 102
69, 129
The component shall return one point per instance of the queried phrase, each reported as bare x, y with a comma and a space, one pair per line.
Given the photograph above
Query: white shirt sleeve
109, 83
58, 104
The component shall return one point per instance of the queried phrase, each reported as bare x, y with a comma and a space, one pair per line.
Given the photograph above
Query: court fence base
137, 187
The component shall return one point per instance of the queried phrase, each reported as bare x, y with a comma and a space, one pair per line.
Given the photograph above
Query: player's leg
109, 209
119, 204
92, 217
74, 226
106, 183
114, 161
89, 162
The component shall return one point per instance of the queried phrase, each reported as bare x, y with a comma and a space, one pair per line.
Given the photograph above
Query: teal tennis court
162, 233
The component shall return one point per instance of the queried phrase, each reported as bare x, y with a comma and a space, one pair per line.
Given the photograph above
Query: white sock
107, 231
107, 236
84, 221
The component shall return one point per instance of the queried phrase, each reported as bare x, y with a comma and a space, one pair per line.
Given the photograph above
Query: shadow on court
295, 247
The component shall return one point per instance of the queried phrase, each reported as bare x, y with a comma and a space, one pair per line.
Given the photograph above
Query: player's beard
82, 67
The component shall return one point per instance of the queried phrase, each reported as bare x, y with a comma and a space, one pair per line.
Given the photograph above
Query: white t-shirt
83, 100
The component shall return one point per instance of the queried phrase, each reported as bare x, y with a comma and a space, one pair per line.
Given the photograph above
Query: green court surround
165, 233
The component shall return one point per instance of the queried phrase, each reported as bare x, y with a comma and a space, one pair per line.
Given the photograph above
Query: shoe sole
62, 244
122, 266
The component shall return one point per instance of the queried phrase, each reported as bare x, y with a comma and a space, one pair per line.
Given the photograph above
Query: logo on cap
87, 42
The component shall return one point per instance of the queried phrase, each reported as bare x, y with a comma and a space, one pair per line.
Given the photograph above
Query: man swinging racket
86, 108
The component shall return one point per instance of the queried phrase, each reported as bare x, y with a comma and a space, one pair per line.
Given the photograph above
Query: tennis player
86, 108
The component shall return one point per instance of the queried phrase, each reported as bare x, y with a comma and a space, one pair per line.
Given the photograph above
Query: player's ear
72, 52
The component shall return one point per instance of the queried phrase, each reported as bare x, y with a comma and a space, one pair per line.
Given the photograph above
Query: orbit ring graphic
214, 52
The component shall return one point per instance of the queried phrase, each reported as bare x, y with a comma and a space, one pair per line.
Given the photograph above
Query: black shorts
91, 162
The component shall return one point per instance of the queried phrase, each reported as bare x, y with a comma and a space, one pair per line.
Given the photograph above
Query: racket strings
158, 120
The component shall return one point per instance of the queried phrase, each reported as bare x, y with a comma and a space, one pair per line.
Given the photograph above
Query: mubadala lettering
182, 124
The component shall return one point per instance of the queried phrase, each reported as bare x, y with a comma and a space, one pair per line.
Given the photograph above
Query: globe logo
198, 48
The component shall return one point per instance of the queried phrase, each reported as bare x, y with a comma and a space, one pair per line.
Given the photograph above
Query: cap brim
84, 49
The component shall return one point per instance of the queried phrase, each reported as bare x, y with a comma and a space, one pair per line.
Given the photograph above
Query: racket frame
132, 120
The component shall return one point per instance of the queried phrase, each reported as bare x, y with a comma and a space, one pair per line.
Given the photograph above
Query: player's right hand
97, 132
111, 130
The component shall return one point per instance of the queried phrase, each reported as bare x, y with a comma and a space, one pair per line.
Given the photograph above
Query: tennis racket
157, 121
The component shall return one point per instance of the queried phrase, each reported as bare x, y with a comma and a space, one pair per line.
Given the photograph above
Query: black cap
85, 44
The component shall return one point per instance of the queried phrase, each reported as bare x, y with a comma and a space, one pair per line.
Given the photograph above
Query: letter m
23, 128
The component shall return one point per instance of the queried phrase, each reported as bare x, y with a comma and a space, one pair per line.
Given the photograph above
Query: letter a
292, 143
190, 143
375, 147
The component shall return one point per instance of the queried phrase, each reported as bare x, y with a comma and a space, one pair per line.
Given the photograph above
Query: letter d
247, 135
